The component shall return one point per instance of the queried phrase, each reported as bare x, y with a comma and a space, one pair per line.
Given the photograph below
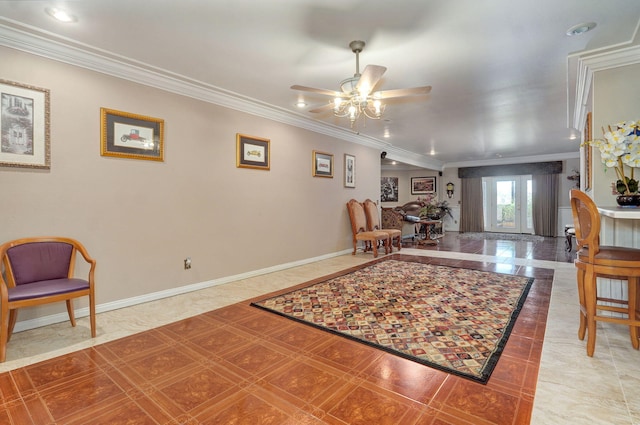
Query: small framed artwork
24, 126
253, 152
322, 164
389, 189
128, 135
423, 185
349, 170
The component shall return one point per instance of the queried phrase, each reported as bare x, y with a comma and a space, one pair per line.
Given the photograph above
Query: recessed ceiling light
301, 104
61, 15
581, 28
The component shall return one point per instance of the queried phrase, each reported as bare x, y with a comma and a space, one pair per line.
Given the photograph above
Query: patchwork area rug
454, 319
502, 236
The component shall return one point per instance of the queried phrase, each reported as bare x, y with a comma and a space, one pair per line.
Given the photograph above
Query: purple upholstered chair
40, 271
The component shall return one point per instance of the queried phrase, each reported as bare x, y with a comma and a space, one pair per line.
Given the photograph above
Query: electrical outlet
187, 263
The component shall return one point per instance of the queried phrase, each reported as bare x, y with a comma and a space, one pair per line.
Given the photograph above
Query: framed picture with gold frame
322, 164
128, 135
253, 152
24, 135
588, 152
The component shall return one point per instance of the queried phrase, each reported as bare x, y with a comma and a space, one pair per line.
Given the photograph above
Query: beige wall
616, 97
140, 219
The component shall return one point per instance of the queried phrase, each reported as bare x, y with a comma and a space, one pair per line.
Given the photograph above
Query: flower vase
628, 200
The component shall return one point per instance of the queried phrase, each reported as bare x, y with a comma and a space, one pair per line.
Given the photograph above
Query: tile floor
228, 363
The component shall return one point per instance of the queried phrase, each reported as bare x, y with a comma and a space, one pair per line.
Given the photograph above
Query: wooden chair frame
9, 312
595, 261
359, 230
373, 224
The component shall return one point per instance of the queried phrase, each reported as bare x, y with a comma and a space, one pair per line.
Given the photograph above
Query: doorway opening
508, 204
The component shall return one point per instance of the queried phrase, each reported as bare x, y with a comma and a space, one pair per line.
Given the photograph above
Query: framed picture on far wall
389, 189
349, 170
423, 185
322, 164
24, 132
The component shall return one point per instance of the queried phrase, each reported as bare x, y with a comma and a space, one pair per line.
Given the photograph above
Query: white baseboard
128, 302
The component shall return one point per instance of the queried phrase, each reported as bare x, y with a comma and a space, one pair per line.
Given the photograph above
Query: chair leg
590, 298
582, 329
13, 318
633, 297
4, 330
374, 245
72, 317
399, 242
92, 313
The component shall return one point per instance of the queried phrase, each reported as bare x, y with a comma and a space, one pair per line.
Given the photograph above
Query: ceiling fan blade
322, 108
370, 77
388, 94
318, 91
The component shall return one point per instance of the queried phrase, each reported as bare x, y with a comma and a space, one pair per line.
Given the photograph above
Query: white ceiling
498, 68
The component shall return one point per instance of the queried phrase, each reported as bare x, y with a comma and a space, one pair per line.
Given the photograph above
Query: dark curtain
545, 204
471, 210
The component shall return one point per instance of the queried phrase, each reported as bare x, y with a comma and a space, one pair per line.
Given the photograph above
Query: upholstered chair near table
373, 223
600, 261
360, 233
39, 271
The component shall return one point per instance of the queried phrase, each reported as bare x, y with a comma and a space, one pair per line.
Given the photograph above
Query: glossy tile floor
229, 363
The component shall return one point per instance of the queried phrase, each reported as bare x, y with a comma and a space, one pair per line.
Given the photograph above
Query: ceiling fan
357, 97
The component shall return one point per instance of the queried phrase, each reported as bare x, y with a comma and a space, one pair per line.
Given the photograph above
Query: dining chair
359, 230
373, 223
40, 270
595, 261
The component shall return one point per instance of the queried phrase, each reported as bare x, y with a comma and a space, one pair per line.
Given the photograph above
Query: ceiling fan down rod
356, 47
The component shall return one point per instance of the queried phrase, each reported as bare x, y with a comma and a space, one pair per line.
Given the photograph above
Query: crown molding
589, 63
518, 160
32, 40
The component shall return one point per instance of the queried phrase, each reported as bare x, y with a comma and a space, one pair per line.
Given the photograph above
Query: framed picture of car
127, 135
322, 164
253, 152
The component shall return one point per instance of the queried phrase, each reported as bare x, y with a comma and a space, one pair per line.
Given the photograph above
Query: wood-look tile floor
242, 365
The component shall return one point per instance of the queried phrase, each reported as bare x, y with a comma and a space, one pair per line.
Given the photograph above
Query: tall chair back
358, 219
373, 223
586, 221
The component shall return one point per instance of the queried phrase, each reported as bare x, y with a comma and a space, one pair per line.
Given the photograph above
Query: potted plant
444, 208
620, 150
435, 210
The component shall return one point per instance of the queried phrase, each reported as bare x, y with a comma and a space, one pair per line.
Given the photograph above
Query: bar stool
612, 262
